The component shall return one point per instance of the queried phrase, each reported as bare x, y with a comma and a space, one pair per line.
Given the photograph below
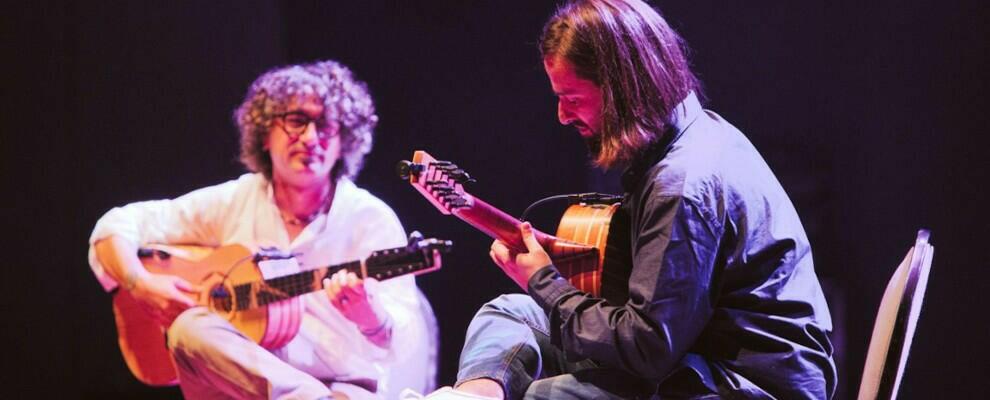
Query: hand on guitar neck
520, 266
348, 295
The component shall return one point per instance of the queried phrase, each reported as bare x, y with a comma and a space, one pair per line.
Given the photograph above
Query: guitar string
276, 289
281, 288
304, 282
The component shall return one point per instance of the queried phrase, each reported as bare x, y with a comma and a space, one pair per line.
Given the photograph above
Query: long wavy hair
636, 59
345, 100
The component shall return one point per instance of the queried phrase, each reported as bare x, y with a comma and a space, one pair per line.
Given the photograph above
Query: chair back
895, 323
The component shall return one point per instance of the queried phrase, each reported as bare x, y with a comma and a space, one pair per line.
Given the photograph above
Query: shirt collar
682, 116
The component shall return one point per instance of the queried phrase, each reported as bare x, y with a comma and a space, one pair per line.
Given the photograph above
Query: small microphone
594, 198
406, 168
575, 198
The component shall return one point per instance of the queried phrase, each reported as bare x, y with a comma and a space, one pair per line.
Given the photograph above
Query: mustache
578, 125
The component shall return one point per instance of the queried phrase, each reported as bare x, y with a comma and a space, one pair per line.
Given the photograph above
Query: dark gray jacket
723, 297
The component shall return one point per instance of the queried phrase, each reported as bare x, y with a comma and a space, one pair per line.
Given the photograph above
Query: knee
516, 307
192, 329
512, 304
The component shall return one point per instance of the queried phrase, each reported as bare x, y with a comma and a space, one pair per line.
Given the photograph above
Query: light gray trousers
215, 361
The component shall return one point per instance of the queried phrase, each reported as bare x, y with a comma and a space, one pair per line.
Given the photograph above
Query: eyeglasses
295, 124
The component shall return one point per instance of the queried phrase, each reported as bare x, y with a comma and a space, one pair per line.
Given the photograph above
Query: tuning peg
445, 166
443, 246
415, 237
442, 190
461, 176
452, 197
438, 183
459, 202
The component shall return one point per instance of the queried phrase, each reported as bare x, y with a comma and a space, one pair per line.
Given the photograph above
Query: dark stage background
870, 114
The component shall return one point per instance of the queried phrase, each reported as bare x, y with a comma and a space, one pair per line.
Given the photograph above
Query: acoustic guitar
256, 291
591, 248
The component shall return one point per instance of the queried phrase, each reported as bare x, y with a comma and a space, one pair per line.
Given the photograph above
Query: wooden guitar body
256, 292
142, 339
587, 225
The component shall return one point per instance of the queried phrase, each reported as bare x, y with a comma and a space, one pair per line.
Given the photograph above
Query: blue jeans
508, 341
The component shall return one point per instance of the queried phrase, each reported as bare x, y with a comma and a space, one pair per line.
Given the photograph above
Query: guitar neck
297, 284
499, 225
441, 182
262, 293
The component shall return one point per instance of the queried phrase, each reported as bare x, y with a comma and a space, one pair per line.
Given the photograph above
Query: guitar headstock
420, 256
441, 182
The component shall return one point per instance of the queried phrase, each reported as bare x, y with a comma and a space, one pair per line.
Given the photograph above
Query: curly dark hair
345, 100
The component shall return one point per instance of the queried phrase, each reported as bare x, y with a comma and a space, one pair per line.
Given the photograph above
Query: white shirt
243, 211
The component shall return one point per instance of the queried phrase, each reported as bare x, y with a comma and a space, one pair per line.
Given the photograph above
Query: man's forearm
120, 261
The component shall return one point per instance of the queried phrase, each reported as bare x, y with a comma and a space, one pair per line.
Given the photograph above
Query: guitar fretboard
261, 293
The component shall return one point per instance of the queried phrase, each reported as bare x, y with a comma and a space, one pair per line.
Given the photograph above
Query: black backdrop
870, 114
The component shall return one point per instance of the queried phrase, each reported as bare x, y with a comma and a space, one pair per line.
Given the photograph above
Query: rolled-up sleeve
674, 252
194, 218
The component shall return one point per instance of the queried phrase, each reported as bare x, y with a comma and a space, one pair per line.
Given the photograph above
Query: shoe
444, 393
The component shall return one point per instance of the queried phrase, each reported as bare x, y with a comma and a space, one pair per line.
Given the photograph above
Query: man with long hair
722, 301
305, 130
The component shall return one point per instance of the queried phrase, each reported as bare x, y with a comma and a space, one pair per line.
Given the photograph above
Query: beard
593, 144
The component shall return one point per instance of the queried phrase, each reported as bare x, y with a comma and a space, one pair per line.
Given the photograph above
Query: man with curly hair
305, 130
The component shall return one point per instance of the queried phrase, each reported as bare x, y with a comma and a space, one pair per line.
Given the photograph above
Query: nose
310, 135
563, 114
